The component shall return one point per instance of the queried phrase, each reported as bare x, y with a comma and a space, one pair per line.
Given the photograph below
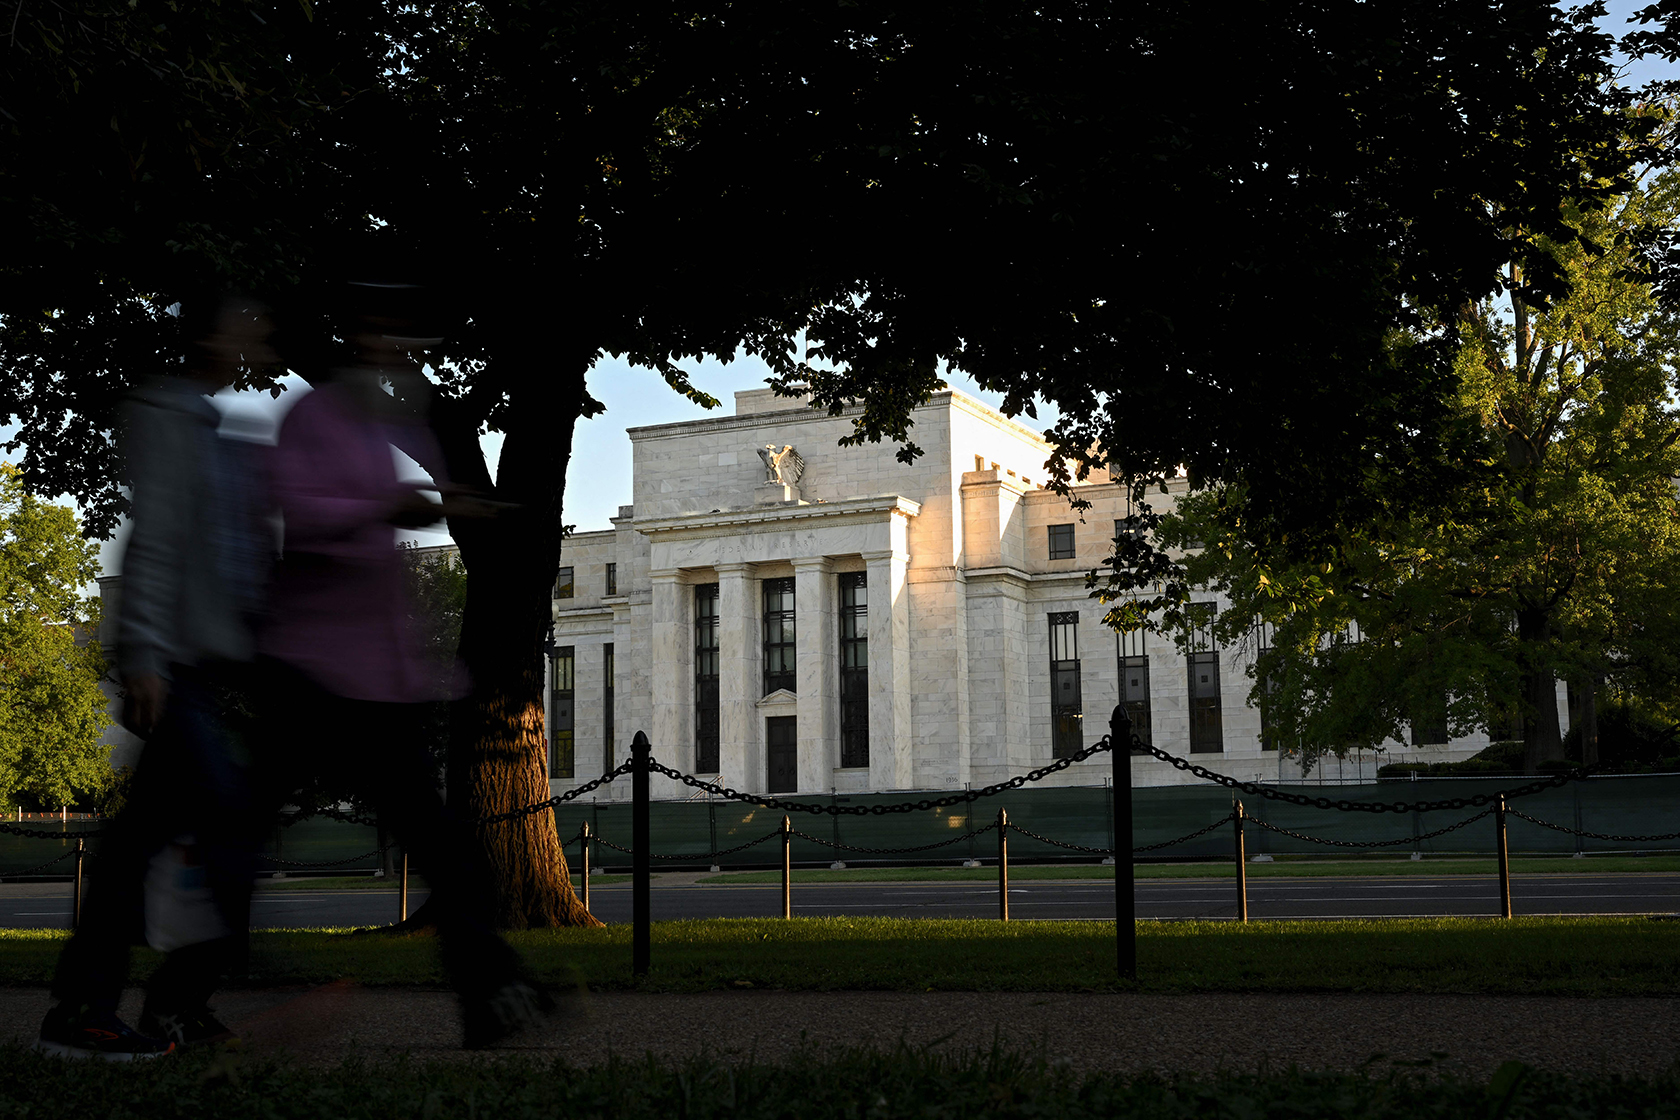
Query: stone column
890, 755
672, 675
818, 654
740, 762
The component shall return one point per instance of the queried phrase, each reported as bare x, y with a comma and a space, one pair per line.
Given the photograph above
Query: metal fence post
1580, 851
583, 861
76, 898
1242, 865
1125, 900
1504, 858
641, 861
402, 891
787, 867
1003, 865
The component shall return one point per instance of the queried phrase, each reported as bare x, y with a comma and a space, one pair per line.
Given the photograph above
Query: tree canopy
52, 712
1548, 548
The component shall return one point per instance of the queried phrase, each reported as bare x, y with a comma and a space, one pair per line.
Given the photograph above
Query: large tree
52, 711
1547, 547
1048, 198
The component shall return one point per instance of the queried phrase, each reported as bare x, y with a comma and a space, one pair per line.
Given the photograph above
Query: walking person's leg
93, 967
395, 770
207, 941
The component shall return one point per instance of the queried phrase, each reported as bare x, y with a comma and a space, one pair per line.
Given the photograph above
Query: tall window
612, 579
1067, 710
1134, 683
706, 678
561, 752
563, 585
1263, 632
854, 669
778, 636
1061, 542
607, 669
1207, 732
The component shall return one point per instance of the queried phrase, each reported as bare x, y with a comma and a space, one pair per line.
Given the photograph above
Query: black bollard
1504, 859
1242, 865
1125, 899
641, 858
583, 861
1003, 865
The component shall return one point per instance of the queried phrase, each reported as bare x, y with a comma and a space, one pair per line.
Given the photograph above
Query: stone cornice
801, 413
1024, 577
854, 510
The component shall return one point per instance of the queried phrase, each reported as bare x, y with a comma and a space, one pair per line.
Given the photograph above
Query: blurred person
194, 570
346, 674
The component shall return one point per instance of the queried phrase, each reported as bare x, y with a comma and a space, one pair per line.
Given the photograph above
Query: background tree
1547, 549
437, 585
52, 712
1206, 277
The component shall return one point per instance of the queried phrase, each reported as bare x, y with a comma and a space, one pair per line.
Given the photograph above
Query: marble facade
960, 590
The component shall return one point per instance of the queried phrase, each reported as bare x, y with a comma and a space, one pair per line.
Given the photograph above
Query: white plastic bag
179, 908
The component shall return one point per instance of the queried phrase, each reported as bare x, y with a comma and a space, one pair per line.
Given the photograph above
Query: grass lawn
881, 1085
1526, 956
1284, 867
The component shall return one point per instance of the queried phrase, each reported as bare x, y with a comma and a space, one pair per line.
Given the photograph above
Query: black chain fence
1594, 835
836, 808
1404, 841
911, 850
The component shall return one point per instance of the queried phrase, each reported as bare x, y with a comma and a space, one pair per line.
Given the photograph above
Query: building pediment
697, 525
780, 699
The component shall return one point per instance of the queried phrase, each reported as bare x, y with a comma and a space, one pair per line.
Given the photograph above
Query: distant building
840, 621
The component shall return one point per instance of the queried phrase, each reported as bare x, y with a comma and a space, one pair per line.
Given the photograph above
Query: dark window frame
565, 583
780, 642
612, 579
1061, 542
1263, 633
1133, 665
609, 670
1206, 703
1067, 704
562, 732
854, 668
707, 736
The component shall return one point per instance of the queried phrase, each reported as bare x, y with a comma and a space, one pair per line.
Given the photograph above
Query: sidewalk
1088, 1031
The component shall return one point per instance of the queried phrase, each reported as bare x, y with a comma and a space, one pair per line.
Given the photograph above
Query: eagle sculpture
784, 466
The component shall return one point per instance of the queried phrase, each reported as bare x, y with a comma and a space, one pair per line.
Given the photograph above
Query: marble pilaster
817, 650
672, 675
740, 757
890, 750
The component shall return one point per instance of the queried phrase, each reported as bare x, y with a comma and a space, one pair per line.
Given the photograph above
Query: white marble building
673, 620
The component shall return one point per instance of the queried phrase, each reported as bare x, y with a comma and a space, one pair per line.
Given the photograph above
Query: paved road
48, 905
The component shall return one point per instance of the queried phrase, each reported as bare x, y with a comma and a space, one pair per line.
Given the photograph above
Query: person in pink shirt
345, 670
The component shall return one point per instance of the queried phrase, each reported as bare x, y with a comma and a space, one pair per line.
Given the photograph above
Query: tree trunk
498, 756
1542, 736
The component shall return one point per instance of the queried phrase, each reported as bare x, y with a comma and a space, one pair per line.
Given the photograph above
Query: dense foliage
1546, 546
52, 712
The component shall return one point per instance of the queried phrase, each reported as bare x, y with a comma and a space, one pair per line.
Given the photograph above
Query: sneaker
507, 1011
184, 1028
84, 1031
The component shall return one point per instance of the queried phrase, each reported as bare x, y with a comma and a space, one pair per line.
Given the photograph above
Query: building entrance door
782, 746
